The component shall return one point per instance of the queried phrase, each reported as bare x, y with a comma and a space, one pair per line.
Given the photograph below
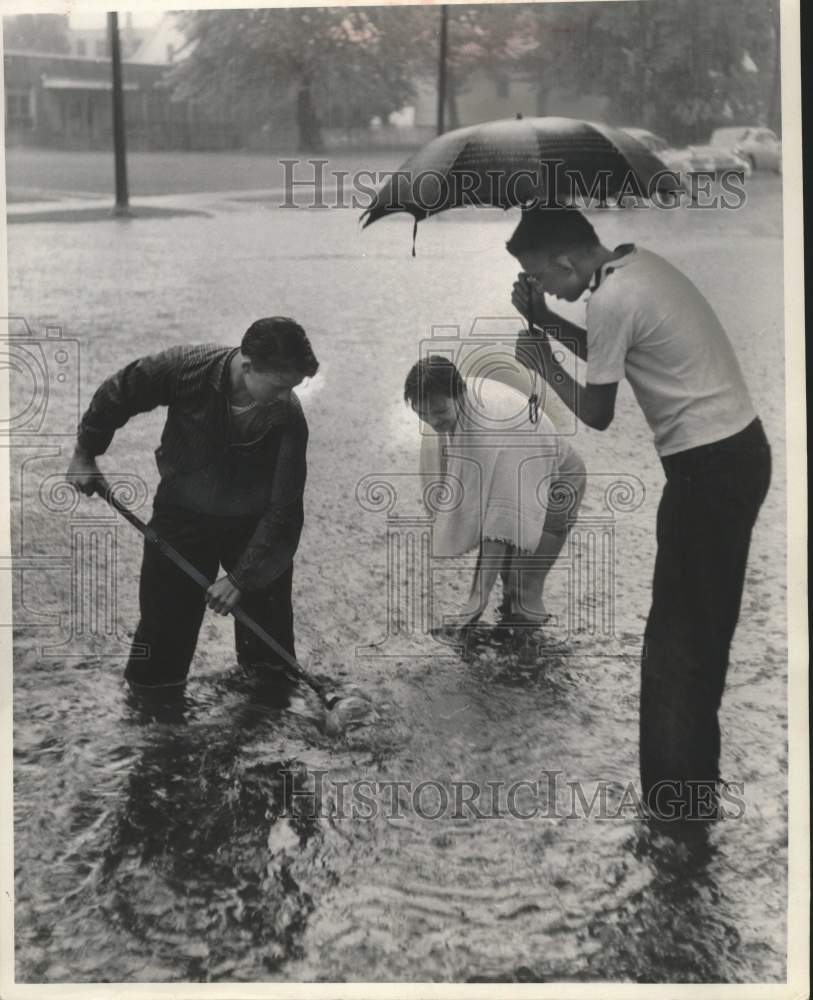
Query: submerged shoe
141, 674
516, 619
269, 682
166, 703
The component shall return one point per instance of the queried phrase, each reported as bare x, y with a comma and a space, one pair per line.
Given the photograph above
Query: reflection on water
177, 839
187, 868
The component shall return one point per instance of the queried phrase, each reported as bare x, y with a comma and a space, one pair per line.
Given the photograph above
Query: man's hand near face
570, 335
523, 293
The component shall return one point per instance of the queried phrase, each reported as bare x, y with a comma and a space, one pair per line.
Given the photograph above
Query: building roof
66, 57
28, 69
73, 83
164, 38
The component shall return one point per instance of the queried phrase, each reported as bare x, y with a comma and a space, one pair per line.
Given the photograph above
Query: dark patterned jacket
201, 469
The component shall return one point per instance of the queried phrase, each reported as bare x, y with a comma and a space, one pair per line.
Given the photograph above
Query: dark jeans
172, 605
708, 508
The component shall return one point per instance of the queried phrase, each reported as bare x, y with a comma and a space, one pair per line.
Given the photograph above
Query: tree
681, 68
482, 38
485, 38
352, 62
37, 33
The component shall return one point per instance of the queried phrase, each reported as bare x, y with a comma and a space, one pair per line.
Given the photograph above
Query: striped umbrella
515, 161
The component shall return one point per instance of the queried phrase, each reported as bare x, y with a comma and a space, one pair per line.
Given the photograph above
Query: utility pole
442, 74
122, 206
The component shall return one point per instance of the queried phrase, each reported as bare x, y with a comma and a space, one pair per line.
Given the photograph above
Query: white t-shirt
647, 322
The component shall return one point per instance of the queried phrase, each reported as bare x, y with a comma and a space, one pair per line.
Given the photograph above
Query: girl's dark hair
279, 342
433, 375
552, 230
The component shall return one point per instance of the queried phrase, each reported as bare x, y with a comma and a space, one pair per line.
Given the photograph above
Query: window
80, 47
18, 107
101, 48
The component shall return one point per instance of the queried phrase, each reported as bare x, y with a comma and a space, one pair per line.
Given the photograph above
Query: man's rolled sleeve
137, 388
276, 537
608, 339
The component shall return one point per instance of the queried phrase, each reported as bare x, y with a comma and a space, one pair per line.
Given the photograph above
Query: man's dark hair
279, 342
433, 376
552, 230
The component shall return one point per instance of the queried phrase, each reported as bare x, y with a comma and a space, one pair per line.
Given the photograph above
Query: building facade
66, 102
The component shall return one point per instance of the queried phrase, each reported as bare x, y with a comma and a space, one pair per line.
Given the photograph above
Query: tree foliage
680, 67
37, 33
343, 64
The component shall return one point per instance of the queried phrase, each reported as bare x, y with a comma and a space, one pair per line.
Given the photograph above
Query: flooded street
185, 842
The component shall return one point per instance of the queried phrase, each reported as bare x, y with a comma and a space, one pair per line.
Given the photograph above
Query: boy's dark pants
172, 605
708, 508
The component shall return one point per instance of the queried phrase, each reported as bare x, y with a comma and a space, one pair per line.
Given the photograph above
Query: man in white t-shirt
648, 323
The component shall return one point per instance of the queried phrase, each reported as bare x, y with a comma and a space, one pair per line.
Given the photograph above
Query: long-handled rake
193, 573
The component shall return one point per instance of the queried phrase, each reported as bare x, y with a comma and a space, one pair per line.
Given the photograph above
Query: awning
72, 83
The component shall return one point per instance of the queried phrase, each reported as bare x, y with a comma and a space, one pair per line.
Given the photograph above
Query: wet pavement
180, 843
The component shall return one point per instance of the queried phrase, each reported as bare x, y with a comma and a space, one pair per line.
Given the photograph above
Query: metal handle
152, 536
533, 399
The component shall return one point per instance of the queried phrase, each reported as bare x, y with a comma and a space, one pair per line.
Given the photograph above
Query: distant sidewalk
49, 173
51, 207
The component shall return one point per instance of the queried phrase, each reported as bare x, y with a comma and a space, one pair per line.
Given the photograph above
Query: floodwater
179, 843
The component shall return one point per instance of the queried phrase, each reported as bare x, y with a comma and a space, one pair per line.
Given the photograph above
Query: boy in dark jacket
232, 466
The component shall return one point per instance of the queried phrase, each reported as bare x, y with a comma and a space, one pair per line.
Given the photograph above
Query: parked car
715, 160
758, 145
691, 159
654, 143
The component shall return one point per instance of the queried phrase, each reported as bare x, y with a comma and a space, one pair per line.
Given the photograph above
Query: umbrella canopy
514, 161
